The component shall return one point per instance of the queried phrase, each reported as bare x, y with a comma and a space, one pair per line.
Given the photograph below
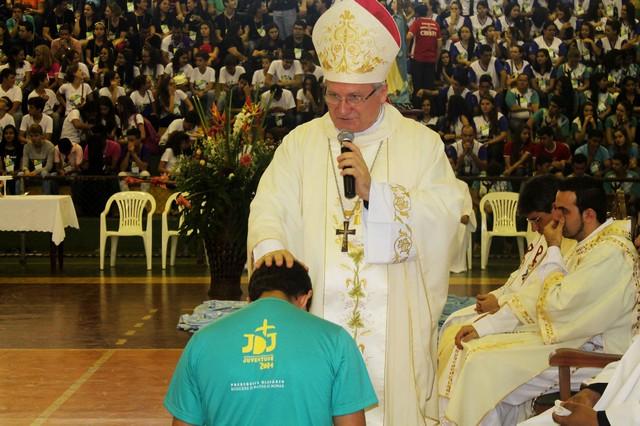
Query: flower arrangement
218, 184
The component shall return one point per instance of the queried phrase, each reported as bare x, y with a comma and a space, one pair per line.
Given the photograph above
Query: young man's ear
302, 300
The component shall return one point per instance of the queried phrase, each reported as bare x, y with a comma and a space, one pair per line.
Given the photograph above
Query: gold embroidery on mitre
349, 49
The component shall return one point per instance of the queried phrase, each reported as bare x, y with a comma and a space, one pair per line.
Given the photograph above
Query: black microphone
349, 181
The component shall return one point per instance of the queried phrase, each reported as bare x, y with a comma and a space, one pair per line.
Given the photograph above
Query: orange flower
182, 201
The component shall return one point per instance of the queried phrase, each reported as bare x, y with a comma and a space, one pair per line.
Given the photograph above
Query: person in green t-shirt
271, 363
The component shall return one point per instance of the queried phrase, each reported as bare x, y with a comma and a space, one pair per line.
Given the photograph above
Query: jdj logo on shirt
259, 345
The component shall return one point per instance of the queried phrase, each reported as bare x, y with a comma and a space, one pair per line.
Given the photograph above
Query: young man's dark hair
37, 102
545, 131
191, 117
28, 27
288, 55
64, 146
595, 133
6, 73
485, 48
589, 195
293, 282
622, 157
579, 159
421, 10
538, 194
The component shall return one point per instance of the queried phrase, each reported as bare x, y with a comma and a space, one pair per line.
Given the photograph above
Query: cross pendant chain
345, 232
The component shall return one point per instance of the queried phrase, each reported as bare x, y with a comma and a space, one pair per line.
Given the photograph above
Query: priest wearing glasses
378, 258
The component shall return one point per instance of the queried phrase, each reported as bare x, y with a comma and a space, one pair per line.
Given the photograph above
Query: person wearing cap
271, 363
379, 261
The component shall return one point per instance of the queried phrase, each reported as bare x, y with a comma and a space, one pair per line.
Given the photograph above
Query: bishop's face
354, 107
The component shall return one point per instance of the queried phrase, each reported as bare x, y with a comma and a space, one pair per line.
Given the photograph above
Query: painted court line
72, 389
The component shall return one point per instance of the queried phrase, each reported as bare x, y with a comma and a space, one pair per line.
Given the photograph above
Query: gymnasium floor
81, 347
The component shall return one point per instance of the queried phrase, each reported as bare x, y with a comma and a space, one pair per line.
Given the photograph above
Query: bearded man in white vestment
610, 398
535, 204
587, 301
379, 262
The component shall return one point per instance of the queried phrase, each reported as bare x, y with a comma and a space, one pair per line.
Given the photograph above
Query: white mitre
356, 41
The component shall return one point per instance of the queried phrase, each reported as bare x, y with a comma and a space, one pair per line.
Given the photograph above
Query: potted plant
219, 182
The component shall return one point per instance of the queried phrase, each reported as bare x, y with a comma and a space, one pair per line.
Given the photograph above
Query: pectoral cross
345, 232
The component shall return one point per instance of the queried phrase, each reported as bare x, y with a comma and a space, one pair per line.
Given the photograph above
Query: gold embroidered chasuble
389, 289
598, 296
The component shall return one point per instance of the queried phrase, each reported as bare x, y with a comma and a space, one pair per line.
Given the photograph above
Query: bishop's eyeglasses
351, 99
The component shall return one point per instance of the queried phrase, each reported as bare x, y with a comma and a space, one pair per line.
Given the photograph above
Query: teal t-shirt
270, 363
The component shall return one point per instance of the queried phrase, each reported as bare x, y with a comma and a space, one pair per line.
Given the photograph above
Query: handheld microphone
349, 181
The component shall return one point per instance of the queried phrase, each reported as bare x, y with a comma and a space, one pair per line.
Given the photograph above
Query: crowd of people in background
514, 87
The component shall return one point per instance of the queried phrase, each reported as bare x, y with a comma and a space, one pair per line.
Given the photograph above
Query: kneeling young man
271, 363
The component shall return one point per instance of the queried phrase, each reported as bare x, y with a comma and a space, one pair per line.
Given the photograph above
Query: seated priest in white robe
466, 227
379, 257
535, 203
610, 398
588, 301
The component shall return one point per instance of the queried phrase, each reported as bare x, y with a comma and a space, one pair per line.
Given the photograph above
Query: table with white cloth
40, 213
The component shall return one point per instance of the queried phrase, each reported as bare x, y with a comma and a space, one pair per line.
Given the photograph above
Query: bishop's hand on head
278, 258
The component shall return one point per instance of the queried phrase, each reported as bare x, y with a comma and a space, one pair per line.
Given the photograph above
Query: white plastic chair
504, 207
131, 206
170, 234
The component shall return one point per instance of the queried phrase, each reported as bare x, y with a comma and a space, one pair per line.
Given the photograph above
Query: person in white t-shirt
74, 124
179, 144
258, 81
142, 96
203, 80
229, 75
16, 60
308, 100
186, 124
74, 93
5, 117
111, 87
286, 72
281, 107
309, 67
180, 65
67, 157
41, 84
36, 116
170, 101
9, 89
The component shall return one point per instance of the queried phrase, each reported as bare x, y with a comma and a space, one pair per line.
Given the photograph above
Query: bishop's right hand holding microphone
352, 165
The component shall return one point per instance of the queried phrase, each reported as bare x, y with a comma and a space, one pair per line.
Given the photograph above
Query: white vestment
580, 302
518, 280
389, 289
621, 398
534, 254
463, 236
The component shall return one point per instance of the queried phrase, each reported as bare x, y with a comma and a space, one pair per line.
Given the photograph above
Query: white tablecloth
43, 213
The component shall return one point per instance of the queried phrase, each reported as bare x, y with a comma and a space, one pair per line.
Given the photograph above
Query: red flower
245, 160
182, 201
